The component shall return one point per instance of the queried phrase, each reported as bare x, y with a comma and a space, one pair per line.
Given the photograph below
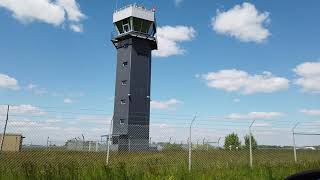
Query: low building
11, 142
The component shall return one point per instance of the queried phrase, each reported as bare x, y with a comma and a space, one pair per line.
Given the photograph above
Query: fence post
48, 143
129, 144
108, 142
250, 143
294, 143
150, 143
5, 128
190, 145
219, 142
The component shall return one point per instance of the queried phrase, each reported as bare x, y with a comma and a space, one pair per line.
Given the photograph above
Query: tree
247, 142
232, 141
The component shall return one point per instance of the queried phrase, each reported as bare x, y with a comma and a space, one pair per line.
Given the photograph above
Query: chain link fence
51, 137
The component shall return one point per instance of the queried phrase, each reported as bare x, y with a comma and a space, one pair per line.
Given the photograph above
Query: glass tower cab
134, 20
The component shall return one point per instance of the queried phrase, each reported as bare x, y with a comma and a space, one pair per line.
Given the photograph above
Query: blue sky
235, 59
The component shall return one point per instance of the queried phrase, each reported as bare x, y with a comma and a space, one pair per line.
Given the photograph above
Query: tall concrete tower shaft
134, 41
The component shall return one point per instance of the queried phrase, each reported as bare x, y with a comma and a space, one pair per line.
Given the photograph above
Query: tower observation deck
135, 28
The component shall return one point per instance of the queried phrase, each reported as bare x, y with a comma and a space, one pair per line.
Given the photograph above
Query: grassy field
213, 164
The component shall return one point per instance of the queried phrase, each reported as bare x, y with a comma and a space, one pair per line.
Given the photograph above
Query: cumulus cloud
54, 12
311, 112
233, 80
169, 38
243, 22
171, 104
309, 76
7, 82
256, 115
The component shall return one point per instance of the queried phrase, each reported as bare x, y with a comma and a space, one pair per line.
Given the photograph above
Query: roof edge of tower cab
115, 40
134, 10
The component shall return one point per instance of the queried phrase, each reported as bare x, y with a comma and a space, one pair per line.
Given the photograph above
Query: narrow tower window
123, 101
125, 64
122, 121
124, 82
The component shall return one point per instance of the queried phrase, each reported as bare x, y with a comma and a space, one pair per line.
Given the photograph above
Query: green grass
213, 164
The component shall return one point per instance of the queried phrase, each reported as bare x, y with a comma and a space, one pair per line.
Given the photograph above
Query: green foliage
172, 147
172, 165
232, 140
254, 143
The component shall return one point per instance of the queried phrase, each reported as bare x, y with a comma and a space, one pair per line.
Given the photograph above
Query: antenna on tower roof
116, 5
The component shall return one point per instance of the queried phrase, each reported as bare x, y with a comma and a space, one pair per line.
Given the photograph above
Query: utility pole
250, 143
190, 141
294, 142
5, 128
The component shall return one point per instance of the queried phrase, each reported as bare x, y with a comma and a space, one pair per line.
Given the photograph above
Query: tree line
232, 142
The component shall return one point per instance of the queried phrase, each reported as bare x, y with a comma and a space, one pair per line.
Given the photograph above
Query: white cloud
243, 22
68, 101
36, 89
261, 124
25, 123
55, 12
233, 80
76, 27
22, 109
7, 82
256, 115
169, 105
169, 38
31, 86
311, 112
309, 79
72, 9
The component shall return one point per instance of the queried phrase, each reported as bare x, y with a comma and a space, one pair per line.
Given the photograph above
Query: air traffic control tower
134, 40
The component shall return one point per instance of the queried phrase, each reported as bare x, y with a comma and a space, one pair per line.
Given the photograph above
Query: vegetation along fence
51, 142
